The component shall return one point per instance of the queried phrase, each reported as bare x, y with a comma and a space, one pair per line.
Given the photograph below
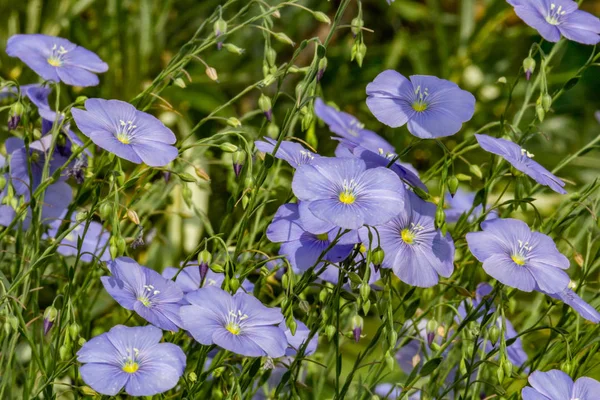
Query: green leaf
430, 366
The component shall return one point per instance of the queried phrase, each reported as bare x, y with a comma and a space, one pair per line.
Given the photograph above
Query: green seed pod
291, 323
283, 38
234, 284
74, 330
366, 306
233, 121
64, 352
272, 131
179, 82
440, 217
365, 290
529, 66
192, 377
220, 27
389, 361
475, 170
546, 102
494, 334
377, 256
228, 147
323, 295
81, 216
507, 366
356, 25
500, 375
566, 367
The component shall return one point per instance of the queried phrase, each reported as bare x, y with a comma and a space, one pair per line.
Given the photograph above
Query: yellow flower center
130, 367
322, 236
419, 106
144, 301
347, 198
518, 259
362, 248
233, 328
55, 62
123, 138
407, 236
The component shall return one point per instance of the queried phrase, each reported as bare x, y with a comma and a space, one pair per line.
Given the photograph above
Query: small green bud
74, 330
462, 366
80, 100
271, 56
238, 159
204, 257
463, 177
366, 306
392, 338
264, 103
389, 361
64, 353
322, 68
377, 256
220, 27
283, 38
356, 25
88, 391
323, 295
228, 147
105, 211
81, 341
304, 306
217, 268
179, 82
192, 377
2, 182
539, 110
330, 331
273, 131
234, 284
452, 185
232, 48
566, 367
81, 216
529, 66
500, 375
507, 367
292, 324
211, 73
233, 121
475, 170
365, 290
440, 217
322, 17
494, 333
546, 102
359, 50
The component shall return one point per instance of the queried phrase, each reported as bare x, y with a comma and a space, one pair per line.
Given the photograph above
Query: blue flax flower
570, 298
432, 107
556, 385
145, 291
415, 250
348, 127
293, 153
56, 59
301, 247
94, 243
238, 323
518, 257
522, 160
343, 192
120, 128
461, 203
556, 18
132, 358
374, 158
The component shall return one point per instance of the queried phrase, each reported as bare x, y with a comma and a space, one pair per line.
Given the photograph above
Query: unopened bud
81, 216
228, 147
217, 268
566, 367
14, 115
74, 330
452, 185
529, 66
546, 102
64, 353
500, 374
283, 38
507, 367
539, 110
192, 377
321, 17
475, 170
389, 360
232, 48
265, 105
431, 328
377, 256
50, 315
180, 83
366, 306
440, 217
330, 331
200, 173
212, 73
271, 56
232, 121
365, 290
357, 326
234, 284
322, 68
133, 217
356, 25
220, 27
238, 158
204, 259
494, 334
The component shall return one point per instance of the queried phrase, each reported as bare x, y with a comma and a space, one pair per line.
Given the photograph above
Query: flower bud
330, 331
212, 73
507, 367
359, 50
217, 268
74, 330
264, 103
232, 121
357, 326
192, 377
228, 147
494, 334
546, 102
64, 353
322, 68
81, 216
377, 257
356, 25
232, 48
133, 217
88, 391
389, 360
475, 170
365, 290
80, 100
271, 56
566, 367
220, 27
322, 17
292, 324
539, 110
50, 315
452, 185
500, 374
393, 338
283, 38
2, 182
179, 82
440, 217
366, 306
200, 173
14, 115
239, 157
431, 328
204, 259
234, 284
529, 66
